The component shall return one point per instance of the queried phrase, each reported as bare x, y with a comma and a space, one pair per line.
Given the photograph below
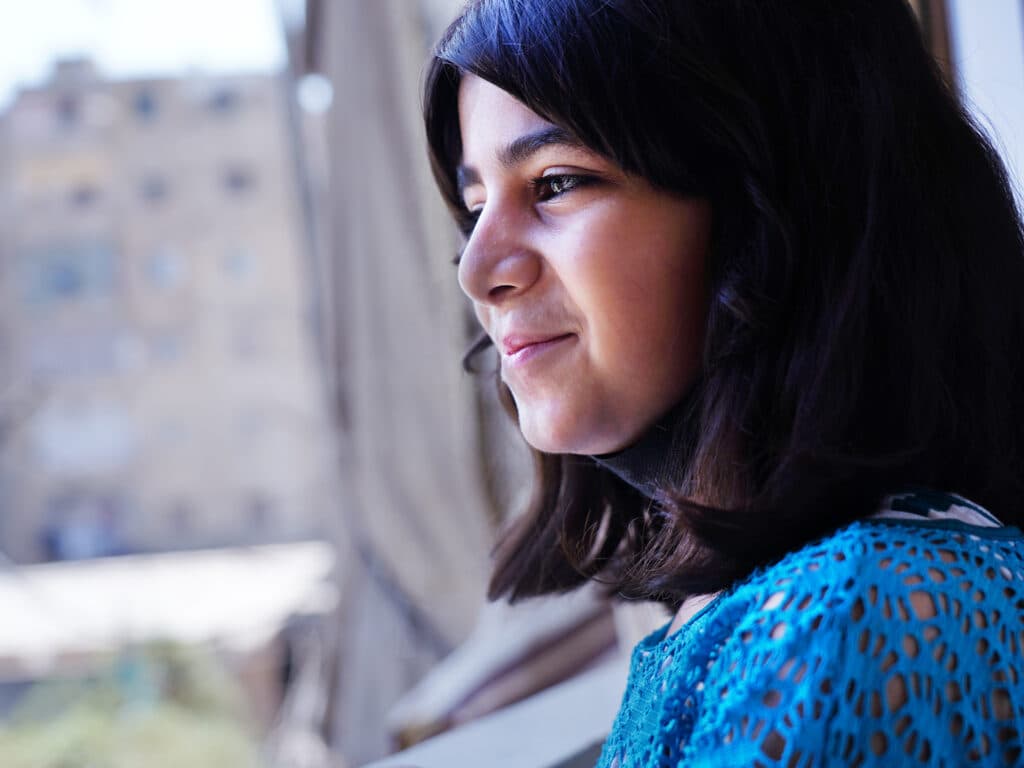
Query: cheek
648, 319
656, 348
654, 305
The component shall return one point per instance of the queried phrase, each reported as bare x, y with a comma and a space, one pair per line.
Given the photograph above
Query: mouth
518, 350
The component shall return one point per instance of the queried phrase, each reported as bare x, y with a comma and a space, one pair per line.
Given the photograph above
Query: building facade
158, 382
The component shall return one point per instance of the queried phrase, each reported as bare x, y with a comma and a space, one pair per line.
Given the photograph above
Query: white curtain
416, 513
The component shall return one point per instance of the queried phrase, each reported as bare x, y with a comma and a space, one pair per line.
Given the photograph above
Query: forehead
490, 119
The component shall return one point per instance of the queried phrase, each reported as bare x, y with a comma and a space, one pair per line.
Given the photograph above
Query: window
83, 525
166, 346
82, 436
154, 189
68, 110
84, 195
238, 180
238, 262
182, 517
63, 272
145, 105
223, 101
259, 512
165, 267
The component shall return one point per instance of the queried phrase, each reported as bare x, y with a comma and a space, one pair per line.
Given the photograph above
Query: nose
498, 263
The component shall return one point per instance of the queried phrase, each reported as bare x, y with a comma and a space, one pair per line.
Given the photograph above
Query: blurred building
158, 383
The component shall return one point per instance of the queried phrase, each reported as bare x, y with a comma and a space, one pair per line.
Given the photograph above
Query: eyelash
574, 180
544, 189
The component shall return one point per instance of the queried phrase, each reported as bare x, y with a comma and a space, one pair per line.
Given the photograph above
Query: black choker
655, 463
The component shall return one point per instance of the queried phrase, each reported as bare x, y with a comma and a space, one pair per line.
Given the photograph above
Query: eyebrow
520, 150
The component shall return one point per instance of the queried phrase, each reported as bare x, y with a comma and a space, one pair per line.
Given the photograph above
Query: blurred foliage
159, 706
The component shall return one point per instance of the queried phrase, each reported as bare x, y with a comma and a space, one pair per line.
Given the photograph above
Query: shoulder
891, 555
877, 571
884, 635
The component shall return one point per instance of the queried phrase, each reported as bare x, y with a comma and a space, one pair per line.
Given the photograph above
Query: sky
988, 41
137, 38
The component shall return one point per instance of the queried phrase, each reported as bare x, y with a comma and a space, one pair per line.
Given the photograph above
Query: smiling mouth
518, 354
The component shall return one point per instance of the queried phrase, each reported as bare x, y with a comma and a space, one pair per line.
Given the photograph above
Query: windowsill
561, 727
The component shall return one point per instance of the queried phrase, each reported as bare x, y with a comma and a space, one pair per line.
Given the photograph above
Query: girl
754, 279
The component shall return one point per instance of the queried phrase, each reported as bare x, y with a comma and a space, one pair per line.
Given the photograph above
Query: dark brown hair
866, 326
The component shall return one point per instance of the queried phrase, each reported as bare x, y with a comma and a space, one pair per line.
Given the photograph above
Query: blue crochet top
896, 641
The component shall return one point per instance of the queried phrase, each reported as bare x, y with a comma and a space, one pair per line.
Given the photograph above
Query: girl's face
591, 283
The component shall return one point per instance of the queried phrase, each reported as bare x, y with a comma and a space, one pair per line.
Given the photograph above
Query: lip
518, 348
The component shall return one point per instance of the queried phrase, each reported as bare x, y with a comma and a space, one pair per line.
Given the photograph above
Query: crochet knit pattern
896, 641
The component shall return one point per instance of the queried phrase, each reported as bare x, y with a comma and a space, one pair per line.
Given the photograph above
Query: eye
556, 185
467, 221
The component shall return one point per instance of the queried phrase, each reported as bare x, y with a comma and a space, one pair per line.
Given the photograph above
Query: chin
564, 436
545, 435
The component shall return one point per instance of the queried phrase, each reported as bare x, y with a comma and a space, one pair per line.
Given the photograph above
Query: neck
654, 464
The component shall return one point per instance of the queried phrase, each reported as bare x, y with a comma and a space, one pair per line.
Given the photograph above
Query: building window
238, 180
239, 262
165, 267
155, 189
259, 512
166, 346
77, 435
145, 105
182, 517
82, 526
65, 280
67, 272
84, 195
223, 101
68, 110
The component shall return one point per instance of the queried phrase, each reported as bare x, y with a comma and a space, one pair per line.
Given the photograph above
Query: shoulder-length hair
866, 329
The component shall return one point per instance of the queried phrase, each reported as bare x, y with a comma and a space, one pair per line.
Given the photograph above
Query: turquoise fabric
893, 642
